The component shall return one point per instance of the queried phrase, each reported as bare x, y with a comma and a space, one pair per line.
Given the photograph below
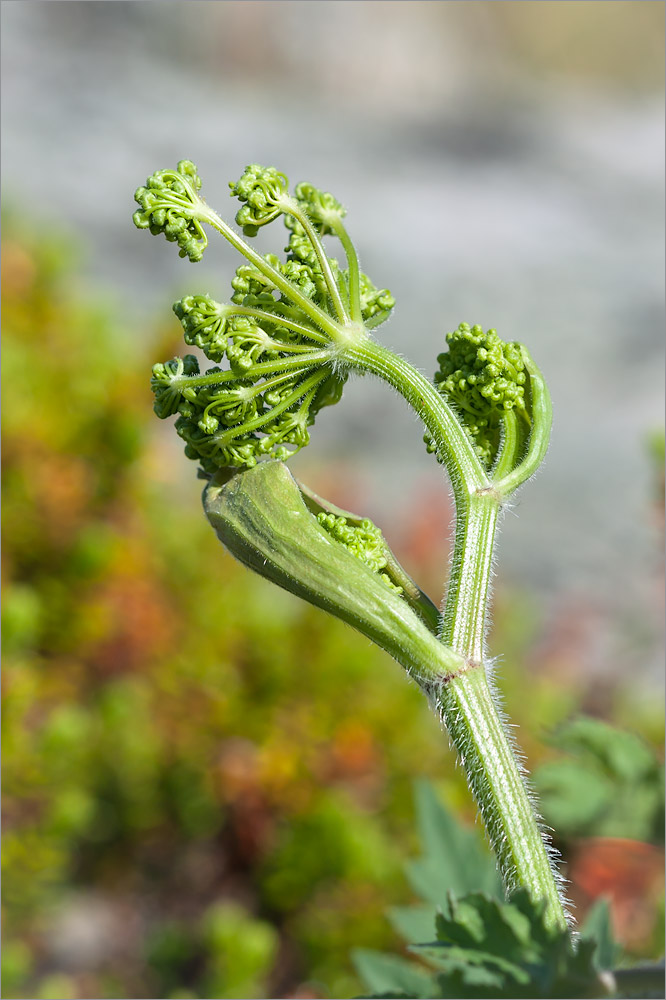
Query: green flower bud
168, 394
263, 518
262, 190
483, 377
170, 204
204, 324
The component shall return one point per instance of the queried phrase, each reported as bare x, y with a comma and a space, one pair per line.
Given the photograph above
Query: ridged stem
468, 709
468, 588
463, 698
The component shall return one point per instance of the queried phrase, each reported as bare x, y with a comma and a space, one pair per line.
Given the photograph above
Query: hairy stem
468, 588
468, 710
452, 443
467, 707
464, 699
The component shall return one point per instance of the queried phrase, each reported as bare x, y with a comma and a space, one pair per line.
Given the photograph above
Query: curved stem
464, 698
510, 445
542, 417
453, 445
337, 225
292, 208
377, 319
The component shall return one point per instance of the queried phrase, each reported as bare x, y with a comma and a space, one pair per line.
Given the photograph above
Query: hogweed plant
295, 328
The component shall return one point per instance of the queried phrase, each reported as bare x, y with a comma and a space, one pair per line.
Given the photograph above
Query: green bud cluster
251, 287
170, 204
247, 411
262, 191
220, 330
275, 361
265, 196
219, 423
376, 303
483, 378
320, 207
204, 323
364, 540
165, 383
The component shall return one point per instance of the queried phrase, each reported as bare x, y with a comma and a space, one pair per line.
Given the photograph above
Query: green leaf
610, 786
453, 858
472, 970
508, 947
388, 975
572, 796
624, 755
414, 923
597, 927
487, 949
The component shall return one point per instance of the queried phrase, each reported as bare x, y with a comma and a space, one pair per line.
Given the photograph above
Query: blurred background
208, 786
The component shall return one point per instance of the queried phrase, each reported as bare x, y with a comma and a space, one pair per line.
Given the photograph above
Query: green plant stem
468, 590
467, 707
227, 435
312, 235
452, 443
507, 458
279, 320
464, 699
288, 288
263, 369
542, 417
469, 712
353, 265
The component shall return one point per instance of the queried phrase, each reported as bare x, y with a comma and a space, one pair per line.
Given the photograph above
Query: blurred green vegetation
610, 784
207, 784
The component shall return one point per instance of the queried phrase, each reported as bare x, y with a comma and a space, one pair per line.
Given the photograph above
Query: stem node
489, 491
